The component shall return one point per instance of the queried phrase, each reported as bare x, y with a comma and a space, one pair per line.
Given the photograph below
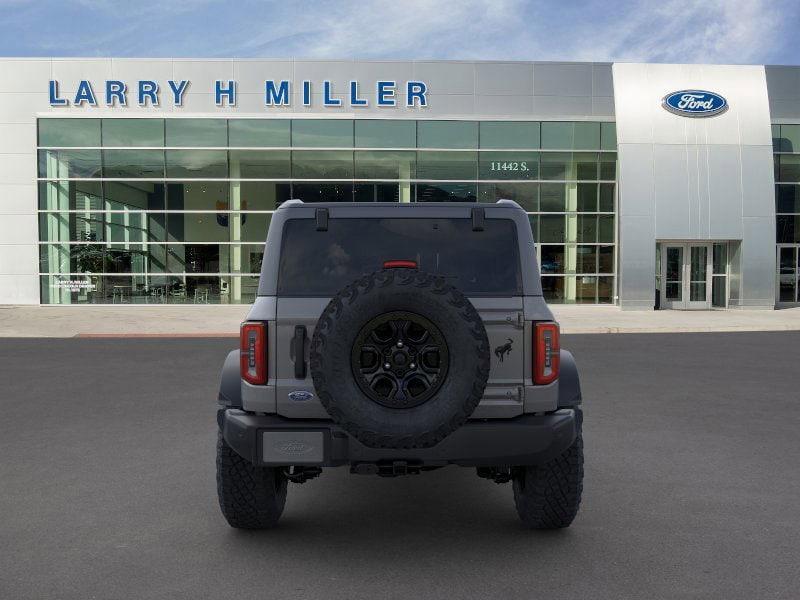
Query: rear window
320, 263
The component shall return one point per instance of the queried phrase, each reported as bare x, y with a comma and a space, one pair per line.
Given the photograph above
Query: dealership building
151, 181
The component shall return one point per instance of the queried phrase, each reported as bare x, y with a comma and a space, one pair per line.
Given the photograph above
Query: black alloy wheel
400, 359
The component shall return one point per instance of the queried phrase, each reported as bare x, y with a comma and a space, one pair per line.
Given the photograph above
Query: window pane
788, 229
587, 228
605, 290
605, 263
132, 164
585, 166
509, 134
586, 259
199, 227
198, 195
606, 229
776, 138
135, 226
69, 132
606, 197
787, 198
587, 136
524, 194
552, 229
197, 132
608, 166
71, 227
270, 133
789, 170
197, 163
322, 164
557, 135
198, 289
62, 164
552, 259
383, 192
134, 258
787, 263
380, 133
553, 288
553, 197
509, 165
447, 165
790, 138
608, 136
322, 133
447, 134
260, 164
255, 226
720, 261
556, 165
70, 195
385, 165
586, 289
587, 197
323, 192
446, 192
134, 195
133, 132
261, 195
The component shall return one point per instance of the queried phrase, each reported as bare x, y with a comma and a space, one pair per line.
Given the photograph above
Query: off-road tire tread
250, 497
548, 496
421, 280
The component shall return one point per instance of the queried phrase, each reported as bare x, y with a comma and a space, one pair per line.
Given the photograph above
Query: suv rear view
396, 339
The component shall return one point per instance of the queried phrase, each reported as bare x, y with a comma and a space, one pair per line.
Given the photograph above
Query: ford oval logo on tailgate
293, 448
695, 103
300, 396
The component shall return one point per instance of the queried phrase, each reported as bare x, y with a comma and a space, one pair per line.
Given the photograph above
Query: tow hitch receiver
392, 469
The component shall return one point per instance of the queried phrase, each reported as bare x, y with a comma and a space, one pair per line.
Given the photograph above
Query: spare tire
400, 359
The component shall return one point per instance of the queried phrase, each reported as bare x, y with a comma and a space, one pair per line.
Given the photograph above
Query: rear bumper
276, 441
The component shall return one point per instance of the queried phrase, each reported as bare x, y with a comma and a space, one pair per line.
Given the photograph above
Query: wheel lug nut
399, 344
412, 366
387, 366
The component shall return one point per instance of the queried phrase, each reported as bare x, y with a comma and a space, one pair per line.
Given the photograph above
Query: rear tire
250, 497
548, 496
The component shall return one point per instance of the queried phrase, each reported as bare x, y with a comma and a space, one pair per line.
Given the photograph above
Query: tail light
399, 264
546, 353
253, 352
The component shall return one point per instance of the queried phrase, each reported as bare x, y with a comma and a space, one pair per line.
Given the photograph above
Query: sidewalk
223, 320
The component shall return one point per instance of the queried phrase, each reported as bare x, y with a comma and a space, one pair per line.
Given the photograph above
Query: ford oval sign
695, 103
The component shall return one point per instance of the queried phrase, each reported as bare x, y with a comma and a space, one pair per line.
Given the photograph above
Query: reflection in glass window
132, 164
323, 192
586, 136
447, 165
509, 134
789, 169
553, 289
70, 195
260, 195
608, 136
509, 165
557, 135
64, 164
133, 132
446, 192
552, 197
322, 164
198, 195
385, 165
586, 259
524, 194
608, 166
552, 259
197, 133
447, 134
552, 229
67, 133
260, 164
384, 133
556, 165
134, 195
322, 133
606, 197
197, 164
585, 166
587, 197
259, 133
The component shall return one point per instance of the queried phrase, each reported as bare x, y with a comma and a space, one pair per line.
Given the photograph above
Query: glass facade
176, 210
786, 148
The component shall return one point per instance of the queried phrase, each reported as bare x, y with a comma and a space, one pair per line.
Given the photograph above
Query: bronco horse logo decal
501, 351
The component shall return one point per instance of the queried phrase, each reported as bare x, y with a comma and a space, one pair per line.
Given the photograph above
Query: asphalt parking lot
692, 484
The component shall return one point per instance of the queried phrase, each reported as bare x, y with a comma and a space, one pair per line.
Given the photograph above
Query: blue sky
707, 31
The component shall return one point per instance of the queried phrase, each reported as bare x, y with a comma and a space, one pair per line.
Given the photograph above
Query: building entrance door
686, 275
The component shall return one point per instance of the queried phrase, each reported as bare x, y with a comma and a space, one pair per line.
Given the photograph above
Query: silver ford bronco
396, 339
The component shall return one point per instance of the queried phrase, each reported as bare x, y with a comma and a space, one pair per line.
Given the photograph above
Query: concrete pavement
223, 320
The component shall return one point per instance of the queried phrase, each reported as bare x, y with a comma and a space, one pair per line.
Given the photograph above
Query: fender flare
230, 383
569, 383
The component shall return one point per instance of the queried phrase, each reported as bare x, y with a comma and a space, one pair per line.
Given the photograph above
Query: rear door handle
300, 352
